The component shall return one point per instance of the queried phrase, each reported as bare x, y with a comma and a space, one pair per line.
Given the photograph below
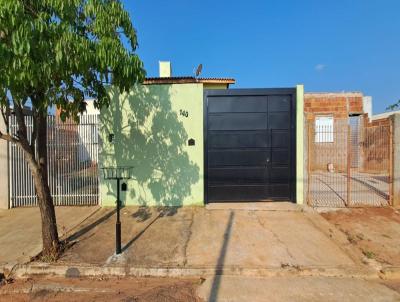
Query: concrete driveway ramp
255, 239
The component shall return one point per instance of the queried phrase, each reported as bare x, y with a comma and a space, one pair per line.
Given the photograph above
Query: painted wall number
184, 113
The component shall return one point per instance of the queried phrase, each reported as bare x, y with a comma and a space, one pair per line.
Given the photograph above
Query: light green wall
300, 144
151, 133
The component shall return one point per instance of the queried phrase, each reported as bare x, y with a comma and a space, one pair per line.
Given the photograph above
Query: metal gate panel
72, 154
249, 144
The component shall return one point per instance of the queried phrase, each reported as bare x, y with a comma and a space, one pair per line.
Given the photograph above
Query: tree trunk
38, 166
37, 162
49, 225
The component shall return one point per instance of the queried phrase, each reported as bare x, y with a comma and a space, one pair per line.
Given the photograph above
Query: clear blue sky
342, 45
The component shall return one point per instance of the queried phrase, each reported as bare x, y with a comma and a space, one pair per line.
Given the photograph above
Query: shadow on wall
148, 136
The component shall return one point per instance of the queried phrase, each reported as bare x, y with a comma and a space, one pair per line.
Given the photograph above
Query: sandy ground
375, 231
108, 289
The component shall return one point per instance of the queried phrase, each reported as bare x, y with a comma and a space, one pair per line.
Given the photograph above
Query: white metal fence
72, 153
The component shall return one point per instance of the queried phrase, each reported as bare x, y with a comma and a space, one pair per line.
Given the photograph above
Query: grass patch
369, 254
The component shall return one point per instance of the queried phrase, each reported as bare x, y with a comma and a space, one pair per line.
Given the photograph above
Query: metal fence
349, 164
72, 153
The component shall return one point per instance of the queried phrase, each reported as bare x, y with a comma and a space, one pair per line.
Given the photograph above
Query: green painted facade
151, 127
300, 144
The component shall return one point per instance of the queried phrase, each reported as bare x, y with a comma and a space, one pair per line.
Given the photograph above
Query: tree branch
21, 132
34, 132
5, 112
9, 138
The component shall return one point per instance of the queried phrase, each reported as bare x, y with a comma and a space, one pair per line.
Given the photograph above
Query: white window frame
324, 129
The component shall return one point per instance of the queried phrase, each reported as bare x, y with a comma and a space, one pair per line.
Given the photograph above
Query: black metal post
118, 223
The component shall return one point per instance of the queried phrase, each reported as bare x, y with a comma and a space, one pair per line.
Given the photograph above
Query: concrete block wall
375, 151
300, 166
396, 159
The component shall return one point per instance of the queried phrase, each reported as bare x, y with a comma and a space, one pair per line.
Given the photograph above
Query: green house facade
158, 130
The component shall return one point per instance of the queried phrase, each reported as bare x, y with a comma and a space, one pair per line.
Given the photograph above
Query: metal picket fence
72, 153
350, 164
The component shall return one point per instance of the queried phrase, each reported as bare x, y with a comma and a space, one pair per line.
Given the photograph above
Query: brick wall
375, 149
340, 105
322, 154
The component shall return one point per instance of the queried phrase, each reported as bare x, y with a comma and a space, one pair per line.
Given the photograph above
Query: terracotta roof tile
183, 80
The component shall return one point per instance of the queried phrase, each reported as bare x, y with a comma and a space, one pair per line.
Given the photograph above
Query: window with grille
324, 129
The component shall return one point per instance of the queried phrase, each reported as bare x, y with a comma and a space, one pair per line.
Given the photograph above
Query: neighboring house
383, 115
80, 136
330, 115
338, 106
90, 109
335, 115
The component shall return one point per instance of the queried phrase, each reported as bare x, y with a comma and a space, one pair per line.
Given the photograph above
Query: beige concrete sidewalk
307, 289
20, 230
218, 238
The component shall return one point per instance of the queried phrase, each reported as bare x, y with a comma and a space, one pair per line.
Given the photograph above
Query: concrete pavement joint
188, 239
276, 237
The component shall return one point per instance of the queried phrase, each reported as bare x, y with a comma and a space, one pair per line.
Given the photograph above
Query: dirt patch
392, 284
375, 231
108, 289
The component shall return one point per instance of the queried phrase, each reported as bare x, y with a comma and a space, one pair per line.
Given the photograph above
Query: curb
75, 271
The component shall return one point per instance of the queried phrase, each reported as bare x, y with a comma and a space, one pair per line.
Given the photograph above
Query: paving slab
20, 230
164, 242
232, 289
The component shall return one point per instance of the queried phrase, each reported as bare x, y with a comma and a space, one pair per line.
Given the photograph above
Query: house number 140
184, 113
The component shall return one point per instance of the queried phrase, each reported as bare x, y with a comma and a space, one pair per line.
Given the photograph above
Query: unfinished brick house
330, 115
341, 138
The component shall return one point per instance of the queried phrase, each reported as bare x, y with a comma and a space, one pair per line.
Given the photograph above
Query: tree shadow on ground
219, 268
89, 227
149, 137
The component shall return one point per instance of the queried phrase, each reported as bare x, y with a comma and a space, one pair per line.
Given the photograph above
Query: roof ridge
187, 79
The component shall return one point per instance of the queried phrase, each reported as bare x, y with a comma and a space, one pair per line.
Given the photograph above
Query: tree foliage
394, 106
63, 50
55, 53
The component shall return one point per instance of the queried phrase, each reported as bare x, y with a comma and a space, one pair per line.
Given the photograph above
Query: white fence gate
72, 153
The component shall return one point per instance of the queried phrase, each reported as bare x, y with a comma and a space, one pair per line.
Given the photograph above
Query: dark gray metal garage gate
250, 144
